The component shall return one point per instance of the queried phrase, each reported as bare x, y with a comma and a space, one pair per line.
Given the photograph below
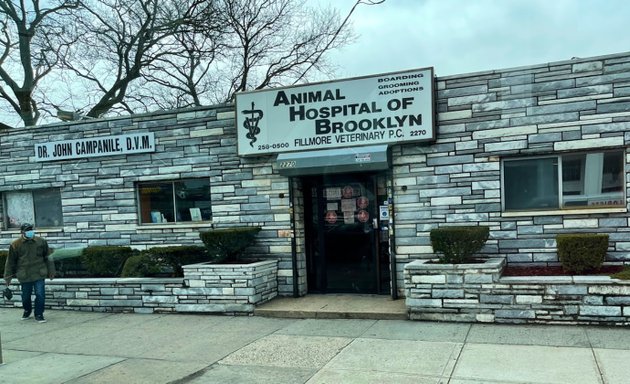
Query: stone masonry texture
481, 118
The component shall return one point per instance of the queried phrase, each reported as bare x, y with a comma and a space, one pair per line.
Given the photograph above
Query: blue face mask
29, 234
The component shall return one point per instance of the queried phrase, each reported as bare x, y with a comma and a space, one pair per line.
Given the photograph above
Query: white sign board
95, 146
387, 108
384, 212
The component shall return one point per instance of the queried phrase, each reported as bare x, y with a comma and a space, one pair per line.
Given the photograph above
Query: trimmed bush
176, 256
3, 261
623, 275
579, 252
226, 245
70, 268
140, 265
105, 261
458, 244
66, 253
68, 262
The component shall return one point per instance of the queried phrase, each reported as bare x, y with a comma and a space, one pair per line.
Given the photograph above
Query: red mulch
556, 271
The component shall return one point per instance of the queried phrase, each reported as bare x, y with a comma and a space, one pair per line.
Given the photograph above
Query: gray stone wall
98, 194
478, 293
575, 105
563, 107
225, 289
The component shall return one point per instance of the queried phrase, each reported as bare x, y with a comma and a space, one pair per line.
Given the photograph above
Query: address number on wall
287, 164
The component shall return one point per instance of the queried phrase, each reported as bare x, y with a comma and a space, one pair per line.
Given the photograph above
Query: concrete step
335, 306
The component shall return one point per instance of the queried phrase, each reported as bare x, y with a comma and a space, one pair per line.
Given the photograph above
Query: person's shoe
40, 319
26, 315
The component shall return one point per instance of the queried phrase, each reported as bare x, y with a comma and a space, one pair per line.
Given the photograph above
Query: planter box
478, 293
431, 289
227, 288
207, 288
139, 295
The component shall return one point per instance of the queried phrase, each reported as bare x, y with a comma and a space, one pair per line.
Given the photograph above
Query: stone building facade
531, 152
557, 109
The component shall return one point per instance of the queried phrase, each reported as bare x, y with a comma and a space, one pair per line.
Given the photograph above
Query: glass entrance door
342, 233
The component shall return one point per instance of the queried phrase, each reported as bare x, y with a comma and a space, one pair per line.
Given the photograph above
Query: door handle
375, 223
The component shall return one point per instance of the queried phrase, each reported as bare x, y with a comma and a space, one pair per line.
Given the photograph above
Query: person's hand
8, 280
51, 276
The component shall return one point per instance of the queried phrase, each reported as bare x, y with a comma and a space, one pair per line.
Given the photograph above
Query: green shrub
579, 252
68, 262
70, 268
176, 256
458, 244
105, 261
623, 275
226, 245
140, 265
66, 253
3, 260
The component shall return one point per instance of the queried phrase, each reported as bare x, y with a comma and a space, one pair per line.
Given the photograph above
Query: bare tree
273, 42
249, 44
121, 39
184, 79
30, 49
128, 56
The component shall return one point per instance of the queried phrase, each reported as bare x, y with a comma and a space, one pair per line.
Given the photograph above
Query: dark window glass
593, 179
588, 180
531, 184
179, 201
47, 205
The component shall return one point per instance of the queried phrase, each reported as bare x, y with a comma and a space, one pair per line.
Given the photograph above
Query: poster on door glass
363, 202
348, 205
347, 192
332, 193
331, 217
363, 216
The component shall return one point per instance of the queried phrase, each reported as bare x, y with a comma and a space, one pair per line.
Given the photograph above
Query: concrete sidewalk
79, 347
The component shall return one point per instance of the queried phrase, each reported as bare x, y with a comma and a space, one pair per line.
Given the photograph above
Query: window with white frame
40, 207
581, 180
174, 201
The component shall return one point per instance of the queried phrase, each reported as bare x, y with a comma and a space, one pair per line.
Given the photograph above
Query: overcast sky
462, 36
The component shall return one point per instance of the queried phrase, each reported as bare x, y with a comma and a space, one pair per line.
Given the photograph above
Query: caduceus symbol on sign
251, 123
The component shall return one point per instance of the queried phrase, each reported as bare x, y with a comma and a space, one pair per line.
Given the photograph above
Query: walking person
28, 260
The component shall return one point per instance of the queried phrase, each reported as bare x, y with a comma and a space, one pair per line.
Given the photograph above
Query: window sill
37, 230
187, 224
557, 212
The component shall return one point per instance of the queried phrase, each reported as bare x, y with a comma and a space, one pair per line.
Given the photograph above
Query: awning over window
339, 160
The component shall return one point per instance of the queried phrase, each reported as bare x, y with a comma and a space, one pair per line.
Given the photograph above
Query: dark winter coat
28, 260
